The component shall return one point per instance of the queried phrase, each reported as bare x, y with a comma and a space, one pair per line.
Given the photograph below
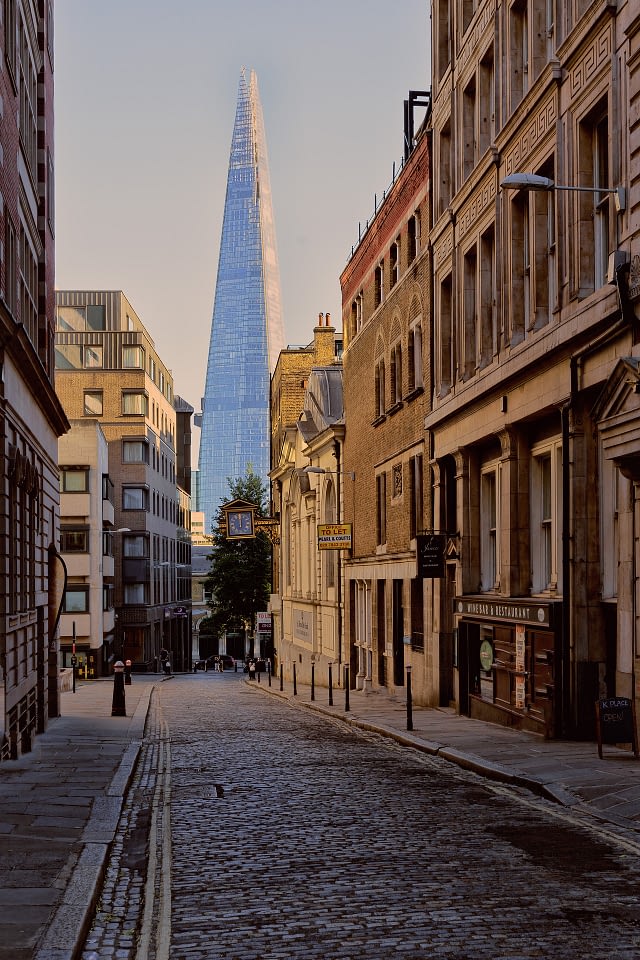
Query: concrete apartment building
87, 513
387, 386
306, 431
533, 430
32, 417
108, 371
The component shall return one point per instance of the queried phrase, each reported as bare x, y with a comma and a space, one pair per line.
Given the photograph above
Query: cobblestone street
294, 837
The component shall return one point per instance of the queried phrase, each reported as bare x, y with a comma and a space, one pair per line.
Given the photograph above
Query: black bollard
127, 672
281, 679
269, 672
258, 672
330, 687
118, 705
346, 689
409, 701
313, 681
295, 685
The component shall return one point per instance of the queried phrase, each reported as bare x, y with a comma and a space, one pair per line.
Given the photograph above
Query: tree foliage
240, 576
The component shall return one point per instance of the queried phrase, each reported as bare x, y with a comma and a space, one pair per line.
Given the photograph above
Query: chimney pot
328, 320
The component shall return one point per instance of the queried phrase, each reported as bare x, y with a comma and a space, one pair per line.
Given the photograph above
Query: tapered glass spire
246, 329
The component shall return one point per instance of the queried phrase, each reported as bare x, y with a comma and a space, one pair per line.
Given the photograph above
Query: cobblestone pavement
295, 838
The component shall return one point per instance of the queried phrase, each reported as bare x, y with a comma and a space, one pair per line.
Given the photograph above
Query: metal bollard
118, 705
295, 684
127, 672
281, 679
330, 686
269, 672
313, 681
409, 701
346, 689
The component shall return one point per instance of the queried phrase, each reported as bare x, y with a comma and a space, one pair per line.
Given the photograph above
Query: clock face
240, 523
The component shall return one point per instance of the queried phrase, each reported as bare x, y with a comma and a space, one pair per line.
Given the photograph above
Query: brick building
32, 418
108, 370
387, 386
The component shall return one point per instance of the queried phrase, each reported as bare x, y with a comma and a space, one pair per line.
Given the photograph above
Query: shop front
509, 660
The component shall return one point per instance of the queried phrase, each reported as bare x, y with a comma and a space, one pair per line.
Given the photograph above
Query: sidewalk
567, 772
60, 806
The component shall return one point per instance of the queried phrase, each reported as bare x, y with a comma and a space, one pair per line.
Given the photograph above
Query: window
486, 120
443, 42
415, 356
380, 389
356, 314
135, 593
10, 264
381, 509
413, 237
445, 185
546, 518
92, 357
416, 492
470, 279
595, 209
133, 357
135, 546
394, 263
134, 451
396, 374
447, 341
28, 270
10, 34
469, 137
93, 403
96, 316
134, 498
28, 99
378, 285
107, 597
134, 403
488, 333
76, 599
74, 480
74, 540
489, 563
51, 194
520, 268
518, 52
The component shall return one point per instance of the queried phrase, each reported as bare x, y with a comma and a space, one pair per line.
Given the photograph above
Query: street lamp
533, 181
335, 473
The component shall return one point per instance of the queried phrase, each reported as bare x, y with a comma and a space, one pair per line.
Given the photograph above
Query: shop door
398, 633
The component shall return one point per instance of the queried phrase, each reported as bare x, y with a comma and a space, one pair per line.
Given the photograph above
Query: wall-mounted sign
430, 553
302, 625
518, 611
334, 536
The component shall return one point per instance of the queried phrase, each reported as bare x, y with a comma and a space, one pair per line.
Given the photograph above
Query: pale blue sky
145, 103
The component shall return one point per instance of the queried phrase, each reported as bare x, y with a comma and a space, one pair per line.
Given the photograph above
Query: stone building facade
387, 385
307, 431
533, 428
31, 416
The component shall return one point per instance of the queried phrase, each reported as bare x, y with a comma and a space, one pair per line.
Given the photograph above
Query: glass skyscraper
246, 329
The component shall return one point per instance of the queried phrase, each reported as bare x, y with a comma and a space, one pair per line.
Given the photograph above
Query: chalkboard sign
616, 723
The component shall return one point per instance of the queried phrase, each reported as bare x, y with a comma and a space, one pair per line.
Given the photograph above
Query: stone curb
468, 761
66, 932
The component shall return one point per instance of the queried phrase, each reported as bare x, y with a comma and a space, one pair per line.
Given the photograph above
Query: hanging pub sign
430, 552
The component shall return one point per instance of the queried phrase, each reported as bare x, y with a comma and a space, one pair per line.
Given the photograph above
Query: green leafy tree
240, 575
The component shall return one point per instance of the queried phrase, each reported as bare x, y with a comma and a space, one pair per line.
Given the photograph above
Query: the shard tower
246, 329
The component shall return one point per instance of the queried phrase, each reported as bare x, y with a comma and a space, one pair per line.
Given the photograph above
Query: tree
240, 577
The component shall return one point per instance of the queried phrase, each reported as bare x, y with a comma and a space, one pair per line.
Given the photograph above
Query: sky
145, 98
